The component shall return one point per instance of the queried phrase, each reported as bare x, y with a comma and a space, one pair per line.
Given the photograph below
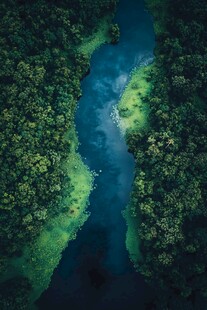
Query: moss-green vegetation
169, 193
100, 36
133, 110
44, 185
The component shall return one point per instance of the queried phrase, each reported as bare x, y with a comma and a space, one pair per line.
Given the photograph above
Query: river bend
95, 272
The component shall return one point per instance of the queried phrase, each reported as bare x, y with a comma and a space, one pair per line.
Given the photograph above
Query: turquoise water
95, 271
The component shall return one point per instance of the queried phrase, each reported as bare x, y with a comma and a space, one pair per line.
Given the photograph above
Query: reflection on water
95, 269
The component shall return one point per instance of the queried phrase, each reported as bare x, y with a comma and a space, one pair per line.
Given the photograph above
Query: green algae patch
133, 111
42, 257
132, 237
100, 36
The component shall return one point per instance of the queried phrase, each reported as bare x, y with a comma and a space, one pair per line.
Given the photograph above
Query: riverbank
40, 258
132, 237
170, 184
39, 261
132, 108
133, 117
45, 254
133, 111
100, 36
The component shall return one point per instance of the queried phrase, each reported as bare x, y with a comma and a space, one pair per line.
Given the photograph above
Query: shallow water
95, 271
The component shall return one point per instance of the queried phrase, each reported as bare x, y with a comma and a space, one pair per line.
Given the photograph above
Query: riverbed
95, 271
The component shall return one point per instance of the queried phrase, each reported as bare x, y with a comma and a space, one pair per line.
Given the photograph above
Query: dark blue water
95, 272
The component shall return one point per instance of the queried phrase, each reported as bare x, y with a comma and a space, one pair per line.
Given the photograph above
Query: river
95, 271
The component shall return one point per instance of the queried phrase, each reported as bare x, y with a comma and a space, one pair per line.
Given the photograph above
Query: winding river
95, 271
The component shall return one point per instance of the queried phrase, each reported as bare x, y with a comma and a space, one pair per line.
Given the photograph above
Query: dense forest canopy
170, 188
40, 73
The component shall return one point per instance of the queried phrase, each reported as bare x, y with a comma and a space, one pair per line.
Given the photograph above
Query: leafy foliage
13, 294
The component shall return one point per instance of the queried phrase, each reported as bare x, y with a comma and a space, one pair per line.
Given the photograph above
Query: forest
40, 73
41, 66
170, 187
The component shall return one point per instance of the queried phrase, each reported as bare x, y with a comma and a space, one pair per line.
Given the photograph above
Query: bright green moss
132, 110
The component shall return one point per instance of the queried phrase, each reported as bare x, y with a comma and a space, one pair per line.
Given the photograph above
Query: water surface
95, 272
